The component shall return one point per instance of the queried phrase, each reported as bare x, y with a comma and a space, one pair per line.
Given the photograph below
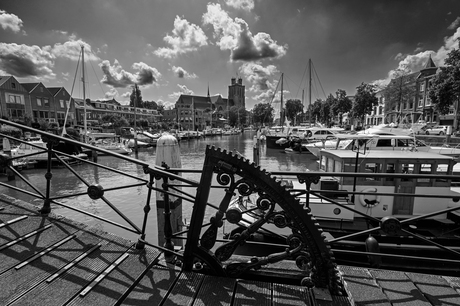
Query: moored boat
395, 221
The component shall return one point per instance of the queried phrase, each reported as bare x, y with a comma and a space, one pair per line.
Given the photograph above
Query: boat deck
56, 261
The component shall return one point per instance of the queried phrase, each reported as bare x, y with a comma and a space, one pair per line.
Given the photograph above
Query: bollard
168, 154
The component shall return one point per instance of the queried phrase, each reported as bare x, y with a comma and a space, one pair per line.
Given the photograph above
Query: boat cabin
380, 162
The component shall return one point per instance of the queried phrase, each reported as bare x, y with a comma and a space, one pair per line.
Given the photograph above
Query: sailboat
109, 140
289, 137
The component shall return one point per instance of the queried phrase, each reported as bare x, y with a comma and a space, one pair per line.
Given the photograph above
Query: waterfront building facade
13, 98
35, 102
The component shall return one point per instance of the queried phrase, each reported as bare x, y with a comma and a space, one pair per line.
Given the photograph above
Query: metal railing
172, 180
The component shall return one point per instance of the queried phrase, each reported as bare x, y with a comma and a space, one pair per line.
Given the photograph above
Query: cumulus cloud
415, 62
246, 5
263, 81
71, 49
10, 21
455, 24
116, 76
234, 35
258, 76
112, 93
27, 61
181, 73
183, 90
166, 104
186, 37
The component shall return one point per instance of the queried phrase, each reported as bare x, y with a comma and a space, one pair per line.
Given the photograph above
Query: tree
135, 99
365, 100
263, 113
399, 91
341, 104
316, 110
445, 87
150, 105
293, 109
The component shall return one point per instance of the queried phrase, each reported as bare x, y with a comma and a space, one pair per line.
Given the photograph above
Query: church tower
236, 96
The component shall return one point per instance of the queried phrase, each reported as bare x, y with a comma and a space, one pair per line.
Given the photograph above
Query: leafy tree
365, 100
263, 113
316, 110
150, 105
135, 99
293, 109
160, 108
237, 116
445, 88
341, 104
399, 91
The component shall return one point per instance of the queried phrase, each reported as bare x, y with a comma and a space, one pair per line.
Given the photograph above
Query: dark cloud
26, 61
115, 76
18, 66
253, 48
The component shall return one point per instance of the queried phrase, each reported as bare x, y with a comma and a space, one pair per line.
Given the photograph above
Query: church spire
430, 63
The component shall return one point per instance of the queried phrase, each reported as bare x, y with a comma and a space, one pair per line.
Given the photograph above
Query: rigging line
273, 97
314, 70
287, 85
70, 98
301, 81
97, 77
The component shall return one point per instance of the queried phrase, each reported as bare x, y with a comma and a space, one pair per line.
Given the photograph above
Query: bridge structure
51, 260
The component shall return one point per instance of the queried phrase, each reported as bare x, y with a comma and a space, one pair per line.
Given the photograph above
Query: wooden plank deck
55, 261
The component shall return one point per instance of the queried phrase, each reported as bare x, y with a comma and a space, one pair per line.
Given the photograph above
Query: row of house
418, 107
36, 102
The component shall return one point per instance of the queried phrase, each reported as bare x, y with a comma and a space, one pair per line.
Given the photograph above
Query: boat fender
369, 203
372, 246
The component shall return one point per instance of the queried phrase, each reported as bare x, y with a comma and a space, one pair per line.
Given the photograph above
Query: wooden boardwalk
55, 261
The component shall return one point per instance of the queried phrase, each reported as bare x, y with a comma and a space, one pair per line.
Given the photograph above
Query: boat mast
309, 90
281, 104
84, 92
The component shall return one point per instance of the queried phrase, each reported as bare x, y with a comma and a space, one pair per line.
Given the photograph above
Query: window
425, 169
15, 99
61, 103
420, 102
422, 87
46, 102
39, 101
13, 85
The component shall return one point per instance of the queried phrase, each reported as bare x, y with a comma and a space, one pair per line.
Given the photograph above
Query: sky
174, 47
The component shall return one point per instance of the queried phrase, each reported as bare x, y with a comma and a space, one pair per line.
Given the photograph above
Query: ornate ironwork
274, 205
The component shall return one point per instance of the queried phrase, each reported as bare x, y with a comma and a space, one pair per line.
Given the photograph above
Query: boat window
348, 166
390, 168
330, 165
383, 143
372, 168
407, 169
442, 170
338, 166
425, 169
322, 165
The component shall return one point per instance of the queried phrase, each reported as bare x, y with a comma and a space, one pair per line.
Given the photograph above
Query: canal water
131, 201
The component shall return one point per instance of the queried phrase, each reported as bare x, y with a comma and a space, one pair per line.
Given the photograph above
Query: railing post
308, 180
46, 209
169, 208
140, 244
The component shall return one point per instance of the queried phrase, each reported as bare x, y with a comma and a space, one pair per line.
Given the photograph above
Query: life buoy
369, 203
